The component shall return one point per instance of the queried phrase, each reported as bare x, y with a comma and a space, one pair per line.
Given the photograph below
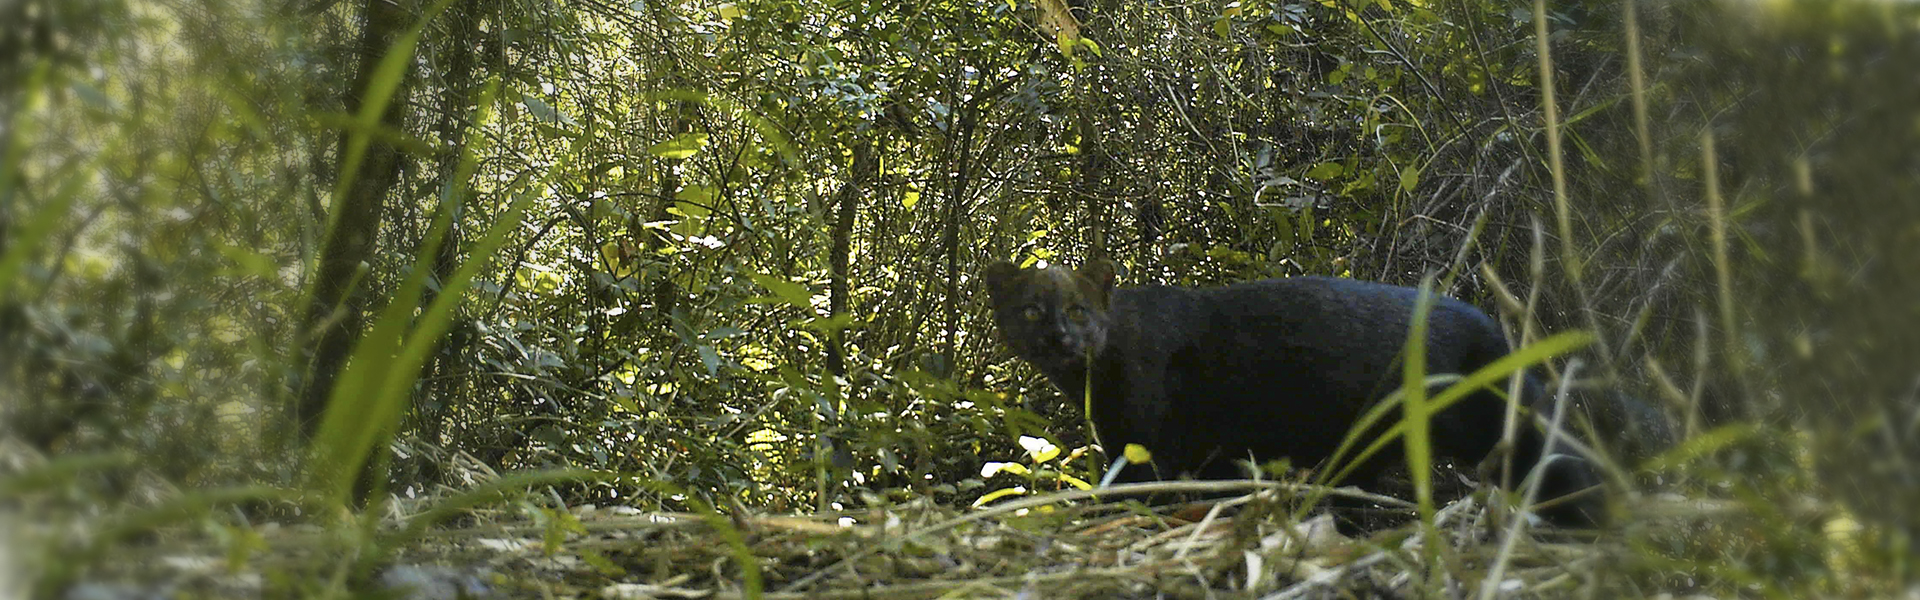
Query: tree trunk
950, 234
336, 317
431, 409
1093, 171
842, 250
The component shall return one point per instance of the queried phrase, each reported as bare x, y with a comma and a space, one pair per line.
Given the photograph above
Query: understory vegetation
661, 299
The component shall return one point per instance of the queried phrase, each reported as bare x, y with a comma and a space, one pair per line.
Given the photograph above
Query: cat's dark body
1279, 368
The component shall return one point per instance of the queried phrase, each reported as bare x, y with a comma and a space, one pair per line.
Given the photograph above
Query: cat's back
1329, 311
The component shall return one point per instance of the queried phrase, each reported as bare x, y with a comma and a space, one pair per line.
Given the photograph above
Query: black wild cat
1205, 377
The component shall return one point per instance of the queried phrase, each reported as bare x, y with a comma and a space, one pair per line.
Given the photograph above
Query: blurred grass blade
1417, 423
61, 471
1487, 377
190, 505
368, 399
1701, 446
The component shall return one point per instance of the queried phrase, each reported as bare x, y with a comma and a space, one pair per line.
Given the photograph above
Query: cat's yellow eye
1032, 313
1076, 313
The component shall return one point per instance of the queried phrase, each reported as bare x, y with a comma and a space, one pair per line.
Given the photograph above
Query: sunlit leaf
682, 146
1039, 449
1056, 20
989, 497
791, 292
695, 200
249, 262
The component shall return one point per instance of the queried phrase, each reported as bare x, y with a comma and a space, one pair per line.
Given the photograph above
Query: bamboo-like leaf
769, 130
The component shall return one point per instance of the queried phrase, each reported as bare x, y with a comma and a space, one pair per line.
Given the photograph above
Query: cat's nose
1063, 341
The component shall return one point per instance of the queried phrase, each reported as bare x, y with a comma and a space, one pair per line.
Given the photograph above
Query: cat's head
1053, 317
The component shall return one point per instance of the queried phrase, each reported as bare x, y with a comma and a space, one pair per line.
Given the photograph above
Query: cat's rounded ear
998, 276
1100, 271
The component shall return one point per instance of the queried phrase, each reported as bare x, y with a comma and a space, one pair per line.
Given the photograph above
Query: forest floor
1064, 545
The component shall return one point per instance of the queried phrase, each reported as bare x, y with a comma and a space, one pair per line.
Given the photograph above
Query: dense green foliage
746, 263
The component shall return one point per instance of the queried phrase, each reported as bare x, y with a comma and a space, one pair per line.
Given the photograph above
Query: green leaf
828, 325
248, 262
1326, 171
790, 292
694, 200
1409, 178
681, 147
92, 96
710, 359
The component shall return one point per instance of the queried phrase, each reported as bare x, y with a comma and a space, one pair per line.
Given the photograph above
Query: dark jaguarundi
1278, 368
